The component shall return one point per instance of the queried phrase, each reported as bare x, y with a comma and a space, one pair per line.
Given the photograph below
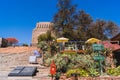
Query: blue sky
19, 17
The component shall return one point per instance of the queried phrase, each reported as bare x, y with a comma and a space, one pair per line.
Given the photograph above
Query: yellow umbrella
92, 40
62, 39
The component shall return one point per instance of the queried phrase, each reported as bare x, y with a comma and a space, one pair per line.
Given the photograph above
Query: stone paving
9, 61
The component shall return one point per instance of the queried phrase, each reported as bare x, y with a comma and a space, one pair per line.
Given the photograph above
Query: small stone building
116, 38
41, 28
117, 52
3, 42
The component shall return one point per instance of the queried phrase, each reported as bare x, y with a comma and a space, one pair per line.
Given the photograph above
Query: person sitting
36, 53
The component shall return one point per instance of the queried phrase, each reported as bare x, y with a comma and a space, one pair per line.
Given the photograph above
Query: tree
82, 21
45, 41
111, 29
87, 28
63, 19
45, 37
102, 29
49, 36
12, 41
41, 37
78, 25
96, 29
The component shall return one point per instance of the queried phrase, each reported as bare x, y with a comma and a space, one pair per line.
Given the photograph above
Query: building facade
41, 28
116, 38
3, 42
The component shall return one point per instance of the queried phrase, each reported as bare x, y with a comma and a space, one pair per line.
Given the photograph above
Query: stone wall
41, 28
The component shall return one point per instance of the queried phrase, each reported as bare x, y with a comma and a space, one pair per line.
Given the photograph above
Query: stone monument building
41, 28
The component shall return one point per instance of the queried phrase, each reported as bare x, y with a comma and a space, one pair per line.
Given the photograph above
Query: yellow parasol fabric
62, 39
92, 40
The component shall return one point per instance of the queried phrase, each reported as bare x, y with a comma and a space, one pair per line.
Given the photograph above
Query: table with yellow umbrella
92, 40
62, 40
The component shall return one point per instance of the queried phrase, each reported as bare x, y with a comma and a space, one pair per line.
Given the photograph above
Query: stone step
41, 78
20, 78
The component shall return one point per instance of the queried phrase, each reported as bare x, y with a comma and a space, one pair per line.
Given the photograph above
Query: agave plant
77, 71
93, 72
113, 71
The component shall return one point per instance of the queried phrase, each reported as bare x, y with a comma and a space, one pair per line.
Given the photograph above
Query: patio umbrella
92, 40
62, 39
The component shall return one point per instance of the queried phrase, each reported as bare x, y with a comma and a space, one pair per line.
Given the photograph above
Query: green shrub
114, 71
79, 72
25, 44
47, 55
67, 61
93, 72
48, 61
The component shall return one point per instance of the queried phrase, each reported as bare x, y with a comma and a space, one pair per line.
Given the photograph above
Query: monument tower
41, 28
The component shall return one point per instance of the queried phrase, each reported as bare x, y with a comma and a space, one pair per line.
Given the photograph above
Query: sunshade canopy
62, 39
92, 40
